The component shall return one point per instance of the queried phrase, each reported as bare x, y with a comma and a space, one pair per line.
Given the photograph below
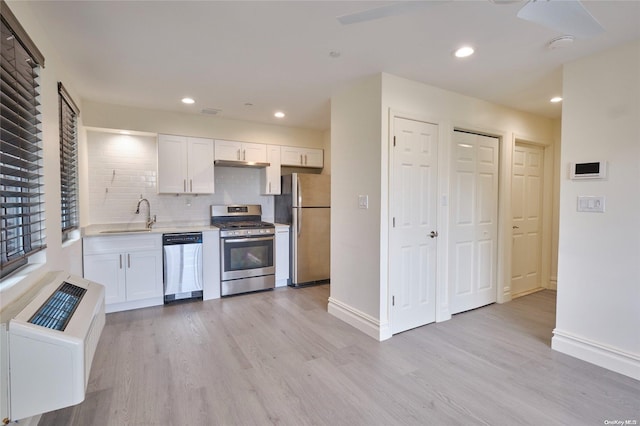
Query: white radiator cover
49, 369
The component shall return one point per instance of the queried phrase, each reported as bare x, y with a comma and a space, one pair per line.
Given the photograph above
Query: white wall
123, 167
97, 115
57, 256
174, 123
555, 222
360, 155
140, 163
598, 311
355, 233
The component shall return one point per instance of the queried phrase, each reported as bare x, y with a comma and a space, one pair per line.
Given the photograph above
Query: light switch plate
363, 201
592, 204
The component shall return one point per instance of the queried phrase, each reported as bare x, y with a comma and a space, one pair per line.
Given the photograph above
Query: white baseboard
358, 319
601, 355
553, 283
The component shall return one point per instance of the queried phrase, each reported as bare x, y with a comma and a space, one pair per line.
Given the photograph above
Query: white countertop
104, 230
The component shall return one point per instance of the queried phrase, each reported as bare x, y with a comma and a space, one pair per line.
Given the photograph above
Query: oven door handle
242, 240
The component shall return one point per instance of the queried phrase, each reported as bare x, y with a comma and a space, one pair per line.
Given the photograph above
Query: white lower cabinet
130, 268
282, 255
211, 264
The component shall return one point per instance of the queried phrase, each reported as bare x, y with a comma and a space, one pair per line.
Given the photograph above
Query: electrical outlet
363, 201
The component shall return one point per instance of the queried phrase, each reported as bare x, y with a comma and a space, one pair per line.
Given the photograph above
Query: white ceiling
275, 55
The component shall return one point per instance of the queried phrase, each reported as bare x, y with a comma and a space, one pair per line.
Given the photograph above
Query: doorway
527, 183
473, 221
412, 237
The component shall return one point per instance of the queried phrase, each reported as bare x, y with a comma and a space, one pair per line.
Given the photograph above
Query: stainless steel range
247, 249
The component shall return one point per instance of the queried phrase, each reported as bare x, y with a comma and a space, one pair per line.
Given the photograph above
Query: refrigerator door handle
299, 220
299, 192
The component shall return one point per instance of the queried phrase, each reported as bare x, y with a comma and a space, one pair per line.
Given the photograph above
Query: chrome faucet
150, 220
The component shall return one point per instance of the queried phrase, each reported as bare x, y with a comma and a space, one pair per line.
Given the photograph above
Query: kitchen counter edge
112, 230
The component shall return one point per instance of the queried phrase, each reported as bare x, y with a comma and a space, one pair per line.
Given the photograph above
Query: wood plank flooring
278, 358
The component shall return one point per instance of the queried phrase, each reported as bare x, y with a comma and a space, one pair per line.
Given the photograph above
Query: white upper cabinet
240, 151
185, 165
302, 157
270, 176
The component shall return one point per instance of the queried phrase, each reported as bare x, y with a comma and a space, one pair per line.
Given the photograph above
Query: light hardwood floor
278, 358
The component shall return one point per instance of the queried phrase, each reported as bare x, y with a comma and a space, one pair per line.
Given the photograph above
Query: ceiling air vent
210, 111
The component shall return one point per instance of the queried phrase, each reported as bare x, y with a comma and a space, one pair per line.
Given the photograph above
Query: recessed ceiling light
188, 101
464, 51
335, 54
555, 99
279, 114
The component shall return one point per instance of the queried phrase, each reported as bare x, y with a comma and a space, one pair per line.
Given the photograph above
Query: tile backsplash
123, 167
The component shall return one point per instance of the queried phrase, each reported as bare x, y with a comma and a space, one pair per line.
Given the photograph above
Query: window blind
68, 162
21, 186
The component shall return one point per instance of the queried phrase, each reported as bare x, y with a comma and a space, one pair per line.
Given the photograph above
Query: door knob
433, 234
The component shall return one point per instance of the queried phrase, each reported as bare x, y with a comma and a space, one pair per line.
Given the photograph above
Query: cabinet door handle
238, 153
269, 186
184, 185
305, 159
128, 260
190, 185
301, 159
244, 155
120, 261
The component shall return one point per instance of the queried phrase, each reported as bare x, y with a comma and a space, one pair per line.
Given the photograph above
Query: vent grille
58, 309
210, 111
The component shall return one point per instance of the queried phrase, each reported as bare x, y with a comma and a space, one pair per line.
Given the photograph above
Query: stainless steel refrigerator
305, 205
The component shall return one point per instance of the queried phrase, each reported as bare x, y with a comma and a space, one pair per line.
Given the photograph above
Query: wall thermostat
593, 170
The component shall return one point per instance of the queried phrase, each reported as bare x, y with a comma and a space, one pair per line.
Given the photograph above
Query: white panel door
473, 221
412, 269
526, 208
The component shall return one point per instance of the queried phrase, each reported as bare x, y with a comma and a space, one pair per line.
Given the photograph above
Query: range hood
232, 163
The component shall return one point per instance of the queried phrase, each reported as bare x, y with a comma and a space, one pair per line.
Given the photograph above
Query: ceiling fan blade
565, 16
394, 9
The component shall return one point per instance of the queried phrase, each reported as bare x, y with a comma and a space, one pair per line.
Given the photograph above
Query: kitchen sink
124, 231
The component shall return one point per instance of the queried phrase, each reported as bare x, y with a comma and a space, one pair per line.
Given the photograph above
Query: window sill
14, 286
74, 237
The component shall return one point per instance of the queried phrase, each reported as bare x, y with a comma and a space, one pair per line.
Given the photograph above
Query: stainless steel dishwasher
182, 253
